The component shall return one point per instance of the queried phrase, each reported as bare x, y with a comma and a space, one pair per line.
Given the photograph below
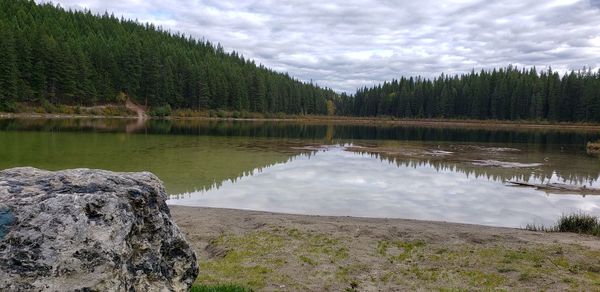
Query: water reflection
183, 163
491, 161
340, 182
542, 139
390, 171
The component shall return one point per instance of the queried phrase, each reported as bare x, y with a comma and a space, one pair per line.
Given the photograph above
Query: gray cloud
345, 44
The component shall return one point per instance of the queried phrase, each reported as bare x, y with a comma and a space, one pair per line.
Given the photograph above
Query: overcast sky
345, 44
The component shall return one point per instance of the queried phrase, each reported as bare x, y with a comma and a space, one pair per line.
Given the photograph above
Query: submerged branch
558, 188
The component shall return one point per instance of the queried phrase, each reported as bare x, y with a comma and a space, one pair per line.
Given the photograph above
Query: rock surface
89, 230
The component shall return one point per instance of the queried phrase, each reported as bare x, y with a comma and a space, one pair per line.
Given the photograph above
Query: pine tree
25, 69
8, 68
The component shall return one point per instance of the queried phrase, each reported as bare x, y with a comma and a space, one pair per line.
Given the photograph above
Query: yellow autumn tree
330, 107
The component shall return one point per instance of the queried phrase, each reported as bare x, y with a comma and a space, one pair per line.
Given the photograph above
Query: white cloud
345, 44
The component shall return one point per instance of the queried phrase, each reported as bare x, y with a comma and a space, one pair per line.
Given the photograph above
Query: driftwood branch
559, 188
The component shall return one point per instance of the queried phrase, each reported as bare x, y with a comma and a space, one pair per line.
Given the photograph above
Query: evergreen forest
49, 54
504, 94
57, 56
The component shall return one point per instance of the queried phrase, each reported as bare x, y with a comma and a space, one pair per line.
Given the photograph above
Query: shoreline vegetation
113, 111
580, 223
270, 251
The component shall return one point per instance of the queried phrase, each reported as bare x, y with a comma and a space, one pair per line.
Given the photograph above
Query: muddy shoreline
270, 251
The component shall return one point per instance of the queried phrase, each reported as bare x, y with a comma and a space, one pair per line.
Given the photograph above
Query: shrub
221, 114
236, 115
47, 106
161, 111
258, 116
96, 112
183, 113
121, 97
63, 109
116, 111
22, 108
579, 223
8, 106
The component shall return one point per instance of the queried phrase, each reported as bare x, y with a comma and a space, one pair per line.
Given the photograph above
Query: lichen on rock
85, 229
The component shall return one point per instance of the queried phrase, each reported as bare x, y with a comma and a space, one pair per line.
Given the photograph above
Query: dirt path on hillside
139, 110
280, 252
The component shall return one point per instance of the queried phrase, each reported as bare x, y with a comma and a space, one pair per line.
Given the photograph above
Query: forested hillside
51, 55
506, 94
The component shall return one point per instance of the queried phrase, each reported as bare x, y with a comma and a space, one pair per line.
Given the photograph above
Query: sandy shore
268, 251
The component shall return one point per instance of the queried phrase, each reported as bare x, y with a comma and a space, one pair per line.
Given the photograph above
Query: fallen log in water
504, 164
558, 188
593, 147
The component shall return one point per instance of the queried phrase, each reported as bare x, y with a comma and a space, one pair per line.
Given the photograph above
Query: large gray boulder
89, 230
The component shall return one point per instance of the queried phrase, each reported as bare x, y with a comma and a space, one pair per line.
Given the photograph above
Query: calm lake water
455, 175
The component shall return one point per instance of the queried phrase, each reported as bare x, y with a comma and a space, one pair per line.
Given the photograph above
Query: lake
454, 175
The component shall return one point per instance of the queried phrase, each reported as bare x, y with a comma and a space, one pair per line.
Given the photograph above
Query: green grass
308, 260
403, 249
577, 223
295, 260
219, 288
483, 279
247, 261
255, 259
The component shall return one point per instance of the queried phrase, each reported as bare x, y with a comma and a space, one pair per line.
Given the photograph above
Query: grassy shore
279, 252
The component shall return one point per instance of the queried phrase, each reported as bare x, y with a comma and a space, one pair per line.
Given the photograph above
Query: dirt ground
280, 252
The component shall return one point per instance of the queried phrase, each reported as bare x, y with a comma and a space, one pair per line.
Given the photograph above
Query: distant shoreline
345, 120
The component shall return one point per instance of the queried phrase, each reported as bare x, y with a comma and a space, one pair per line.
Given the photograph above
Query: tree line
506, 94
52, 55
49, 54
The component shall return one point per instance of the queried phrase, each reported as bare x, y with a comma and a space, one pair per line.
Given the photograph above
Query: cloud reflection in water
342, 183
